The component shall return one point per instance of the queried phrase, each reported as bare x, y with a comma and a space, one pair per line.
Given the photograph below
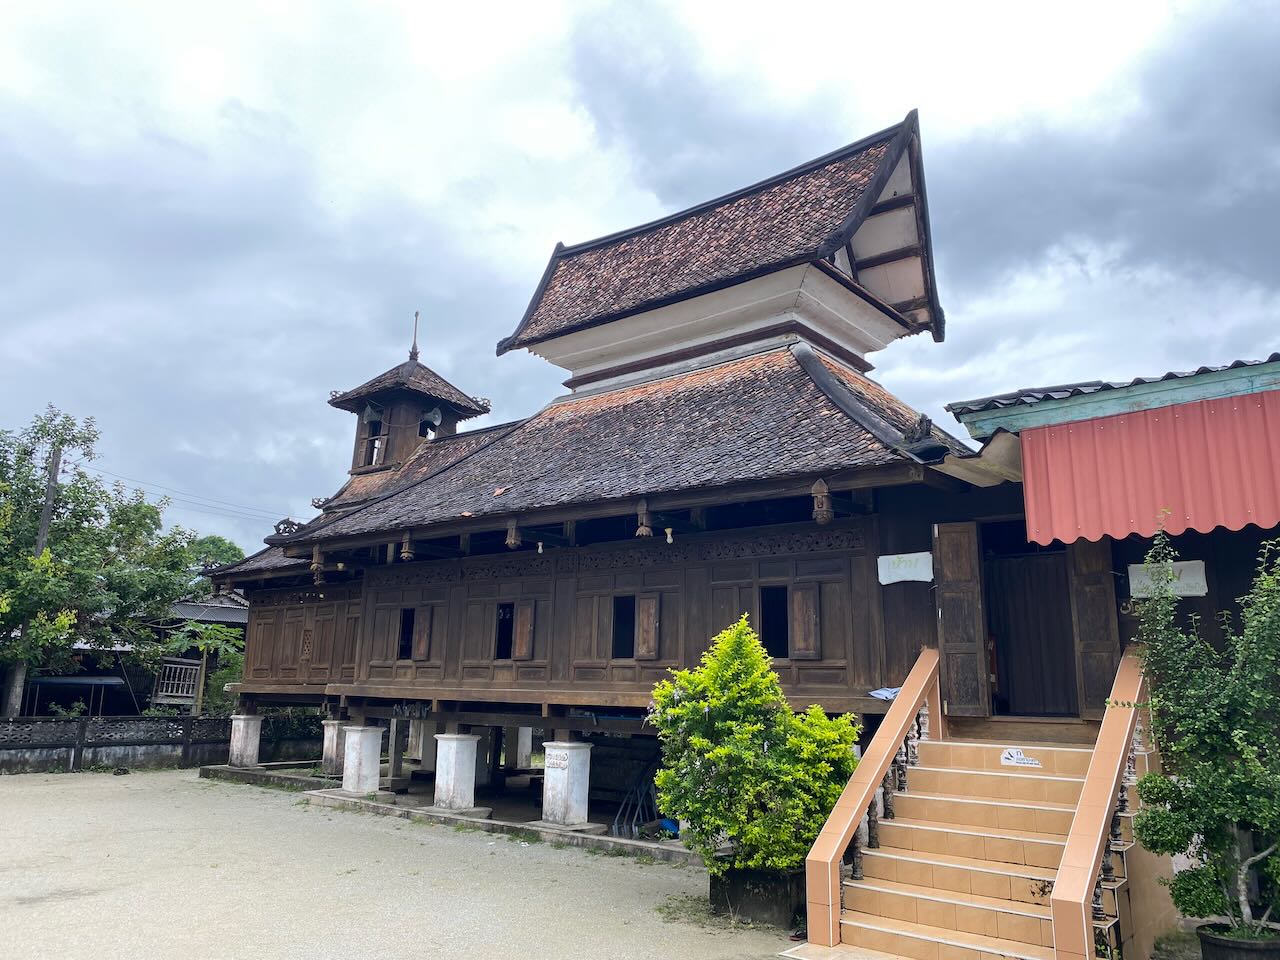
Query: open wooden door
962, 624
1095, 622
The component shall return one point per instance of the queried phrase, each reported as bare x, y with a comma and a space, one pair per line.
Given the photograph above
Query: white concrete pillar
566, 779
456, 771
246, 731
362, 762
334, 743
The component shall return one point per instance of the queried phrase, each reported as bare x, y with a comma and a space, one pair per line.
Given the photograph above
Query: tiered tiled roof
796, 217
756, 418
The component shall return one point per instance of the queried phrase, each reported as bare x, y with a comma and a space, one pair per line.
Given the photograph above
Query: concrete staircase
965, 867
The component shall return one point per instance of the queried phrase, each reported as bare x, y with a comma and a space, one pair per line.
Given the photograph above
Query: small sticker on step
1014, 757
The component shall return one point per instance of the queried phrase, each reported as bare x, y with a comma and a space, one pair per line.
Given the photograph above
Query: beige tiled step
996, 784
985, 878
982, 843
951, 910
922, 942
1054, 759
1040, 816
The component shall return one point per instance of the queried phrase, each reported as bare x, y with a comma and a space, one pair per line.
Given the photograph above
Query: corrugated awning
1197, 466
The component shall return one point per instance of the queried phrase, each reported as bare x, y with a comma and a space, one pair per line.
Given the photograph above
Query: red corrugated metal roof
1209, 463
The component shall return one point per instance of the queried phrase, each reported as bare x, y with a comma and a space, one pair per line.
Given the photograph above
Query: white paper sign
1014, 757
898, 567
1188, 579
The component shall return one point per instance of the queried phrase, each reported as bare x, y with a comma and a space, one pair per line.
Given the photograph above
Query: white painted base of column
246, 732
332, 758
456, 771
566, 780
362, 763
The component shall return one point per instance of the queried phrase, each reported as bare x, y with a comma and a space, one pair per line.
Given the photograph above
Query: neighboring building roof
1028, 396
223, 608
769, 415
415, 377
796, 217
1190, 466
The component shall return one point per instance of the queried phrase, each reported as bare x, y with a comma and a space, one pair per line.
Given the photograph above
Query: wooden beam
893, 203
915, 303
889, 256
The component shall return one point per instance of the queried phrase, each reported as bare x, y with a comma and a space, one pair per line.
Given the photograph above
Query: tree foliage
110, 570
739, 765
1214, 713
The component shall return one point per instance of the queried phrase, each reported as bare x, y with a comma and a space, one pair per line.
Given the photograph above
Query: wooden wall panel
957, 569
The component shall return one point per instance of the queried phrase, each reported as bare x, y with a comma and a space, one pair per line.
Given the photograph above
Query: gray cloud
1095, 250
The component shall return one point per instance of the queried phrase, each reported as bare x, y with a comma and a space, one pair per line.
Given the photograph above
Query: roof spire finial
413, 351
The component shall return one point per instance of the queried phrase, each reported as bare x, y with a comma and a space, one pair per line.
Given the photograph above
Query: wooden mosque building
721, 449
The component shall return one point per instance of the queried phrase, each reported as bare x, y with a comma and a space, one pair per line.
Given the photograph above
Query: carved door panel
288, 651
1095, 622
962, 626
263, 636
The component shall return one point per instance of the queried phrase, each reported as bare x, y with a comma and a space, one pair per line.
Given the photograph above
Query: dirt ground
166, 865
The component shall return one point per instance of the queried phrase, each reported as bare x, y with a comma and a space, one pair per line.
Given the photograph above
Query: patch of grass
697, 911
1177, 945
524, 836
465, 828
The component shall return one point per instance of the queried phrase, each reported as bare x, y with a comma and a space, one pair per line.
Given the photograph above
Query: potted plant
752, 780
1215, 712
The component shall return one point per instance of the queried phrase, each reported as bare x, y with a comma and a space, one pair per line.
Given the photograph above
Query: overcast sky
212, 215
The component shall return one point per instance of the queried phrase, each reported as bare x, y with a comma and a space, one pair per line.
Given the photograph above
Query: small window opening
624, 628
774, 622
406, 633
425, 427
505, 631
373, 446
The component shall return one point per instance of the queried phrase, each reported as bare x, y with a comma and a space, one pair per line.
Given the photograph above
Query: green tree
1214, 712
109, 571
210, 550
739, 765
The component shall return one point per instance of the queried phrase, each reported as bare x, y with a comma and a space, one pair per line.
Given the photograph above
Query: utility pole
18, 672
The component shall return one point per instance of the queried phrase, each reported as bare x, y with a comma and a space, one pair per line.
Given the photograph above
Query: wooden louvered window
522, 647
647, 609
805, 644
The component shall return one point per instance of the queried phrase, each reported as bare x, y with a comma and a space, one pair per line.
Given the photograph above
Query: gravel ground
166, 865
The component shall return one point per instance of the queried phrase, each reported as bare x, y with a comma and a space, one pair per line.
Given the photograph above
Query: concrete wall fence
51, 745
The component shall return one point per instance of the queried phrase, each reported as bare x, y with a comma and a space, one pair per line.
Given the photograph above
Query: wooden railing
918, 704
1080, 917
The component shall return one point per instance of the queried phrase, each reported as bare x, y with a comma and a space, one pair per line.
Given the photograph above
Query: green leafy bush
1214, 713
739, 765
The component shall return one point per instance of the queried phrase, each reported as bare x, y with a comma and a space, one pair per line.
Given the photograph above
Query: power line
199, 498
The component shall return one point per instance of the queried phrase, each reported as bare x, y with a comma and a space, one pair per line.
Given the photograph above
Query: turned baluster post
873, 824
853, 856
913, 742
900, 765
1099, 912
886, 787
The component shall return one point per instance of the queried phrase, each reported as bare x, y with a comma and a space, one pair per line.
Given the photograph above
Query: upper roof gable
805, 214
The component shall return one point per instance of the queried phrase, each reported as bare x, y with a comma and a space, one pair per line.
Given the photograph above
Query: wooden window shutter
522, 645
647, 610
422, 633
804, 622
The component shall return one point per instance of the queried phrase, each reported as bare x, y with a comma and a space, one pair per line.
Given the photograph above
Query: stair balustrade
1086, 901
914, 715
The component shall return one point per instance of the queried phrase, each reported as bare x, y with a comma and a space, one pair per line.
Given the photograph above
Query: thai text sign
1188, 579
898, 567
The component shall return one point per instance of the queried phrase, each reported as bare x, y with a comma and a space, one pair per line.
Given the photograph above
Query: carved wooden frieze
657, 551
290, 598
647, 552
